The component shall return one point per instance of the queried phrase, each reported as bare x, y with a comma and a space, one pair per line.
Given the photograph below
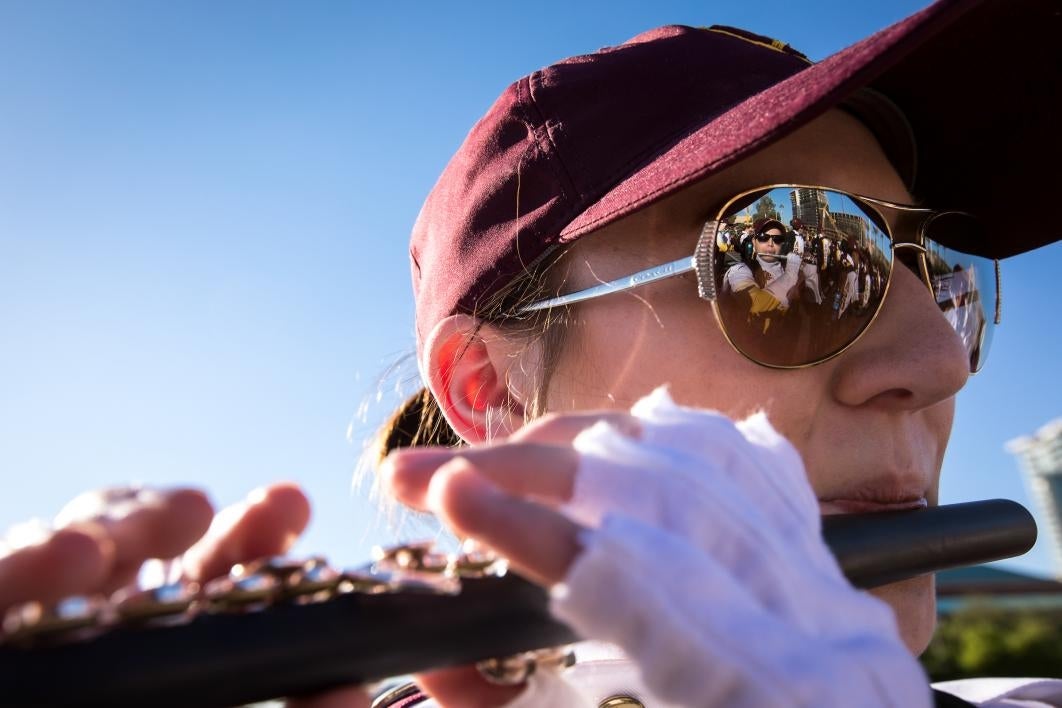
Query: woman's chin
914, 602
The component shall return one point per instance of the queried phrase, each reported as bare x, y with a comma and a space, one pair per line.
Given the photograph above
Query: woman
563, 265
769, 276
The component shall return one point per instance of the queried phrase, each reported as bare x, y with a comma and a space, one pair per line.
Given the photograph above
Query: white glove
704, 561
781, 285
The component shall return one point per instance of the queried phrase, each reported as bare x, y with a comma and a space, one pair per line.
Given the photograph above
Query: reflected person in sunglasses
769, 278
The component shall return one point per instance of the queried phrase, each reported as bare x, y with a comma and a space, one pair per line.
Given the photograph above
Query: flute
288, 629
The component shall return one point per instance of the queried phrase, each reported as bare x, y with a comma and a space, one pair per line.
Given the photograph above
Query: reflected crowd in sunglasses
806, 286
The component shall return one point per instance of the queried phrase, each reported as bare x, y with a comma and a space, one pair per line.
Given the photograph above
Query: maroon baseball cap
582, 143
760, 225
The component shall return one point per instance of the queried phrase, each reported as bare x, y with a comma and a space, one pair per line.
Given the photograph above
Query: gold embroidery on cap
775, 44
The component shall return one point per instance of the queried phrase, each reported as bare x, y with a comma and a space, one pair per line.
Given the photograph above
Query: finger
538, 541
141, 524
511, 464
561, 429
70, 561
464, 687
267, 523
350, 697
534, 470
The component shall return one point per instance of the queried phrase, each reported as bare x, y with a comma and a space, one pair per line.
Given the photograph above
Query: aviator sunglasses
813, 300
778, 239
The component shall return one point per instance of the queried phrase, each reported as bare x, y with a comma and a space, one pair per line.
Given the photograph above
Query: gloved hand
780, 286
703, 559
691, 542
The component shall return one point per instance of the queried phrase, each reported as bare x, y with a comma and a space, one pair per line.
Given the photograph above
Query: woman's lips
861, 506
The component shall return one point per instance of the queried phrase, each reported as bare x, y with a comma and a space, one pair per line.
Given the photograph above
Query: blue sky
204, 210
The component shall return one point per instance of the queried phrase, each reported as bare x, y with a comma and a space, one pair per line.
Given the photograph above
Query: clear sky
204, 211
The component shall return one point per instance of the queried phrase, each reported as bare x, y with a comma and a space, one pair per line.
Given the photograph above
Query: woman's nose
909, 358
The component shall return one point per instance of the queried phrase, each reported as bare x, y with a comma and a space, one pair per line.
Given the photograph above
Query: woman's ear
467, 364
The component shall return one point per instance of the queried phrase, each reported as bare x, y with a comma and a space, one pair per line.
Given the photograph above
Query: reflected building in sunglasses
808, 206
1041, 458
812, 207
852, 226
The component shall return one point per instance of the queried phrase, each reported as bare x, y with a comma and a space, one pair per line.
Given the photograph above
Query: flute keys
70, 618
269, 580
241, 590
170, 601
365, 582
475, 561
314, 581
408, 568
419, 556
515, 669
280, 567
415, 567
621, 701
376, 581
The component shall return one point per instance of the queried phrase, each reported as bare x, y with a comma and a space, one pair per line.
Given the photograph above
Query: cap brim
935, 65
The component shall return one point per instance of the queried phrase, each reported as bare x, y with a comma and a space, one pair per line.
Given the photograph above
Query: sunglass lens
809, 298
964, 284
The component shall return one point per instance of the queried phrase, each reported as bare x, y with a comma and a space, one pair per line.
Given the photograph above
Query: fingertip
87, 543
164, 527
538, 541
266, 523
465, 499
77, 559
406, 474
400, 481
194, 510
285, 502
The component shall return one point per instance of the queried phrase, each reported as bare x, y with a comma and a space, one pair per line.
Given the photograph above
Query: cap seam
549, 237
532, 104
552, 235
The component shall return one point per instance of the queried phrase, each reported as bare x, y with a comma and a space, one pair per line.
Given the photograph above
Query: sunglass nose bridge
913, 257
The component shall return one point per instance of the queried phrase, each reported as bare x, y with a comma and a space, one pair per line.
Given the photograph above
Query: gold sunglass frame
702, 263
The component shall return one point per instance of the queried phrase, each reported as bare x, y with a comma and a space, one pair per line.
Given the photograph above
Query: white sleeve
738, 277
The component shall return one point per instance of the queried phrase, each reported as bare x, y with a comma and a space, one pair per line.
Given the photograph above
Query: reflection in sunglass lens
815, 296
964, 285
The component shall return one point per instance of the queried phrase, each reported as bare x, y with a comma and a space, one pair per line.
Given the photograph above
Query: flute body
222, 658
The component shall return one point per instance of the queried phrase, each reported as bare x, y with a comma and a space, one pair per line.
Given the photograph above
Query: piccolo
282, 628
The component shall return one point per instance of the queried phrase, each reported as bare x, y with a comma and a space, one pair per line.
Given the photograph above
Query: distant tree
765, 208
984, 641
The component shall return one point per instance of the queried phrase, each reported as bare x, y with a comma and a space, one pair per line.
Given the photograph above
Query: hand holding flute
540, 499
101, 539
